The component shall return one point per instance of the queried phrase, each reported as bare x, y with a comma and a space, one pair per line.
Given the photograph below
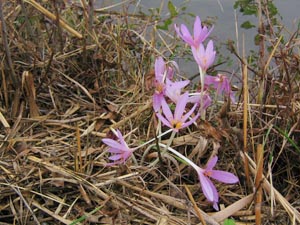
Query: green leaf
286, 135
229, 222
166, 24
247, 25
172, 9
84, 217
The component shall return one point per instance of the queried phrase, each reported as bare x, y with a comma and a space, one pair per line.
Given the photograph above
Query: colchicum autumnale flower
173, 89
204, 57
200, 33
221, 85
162, 72
178, 121
196, 98
208, 188
119, 149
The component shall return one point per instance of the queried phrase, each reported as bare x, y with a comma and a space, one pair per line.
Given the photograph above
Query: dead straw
293, 213
51, 16
245, 122
258, 181
197, 210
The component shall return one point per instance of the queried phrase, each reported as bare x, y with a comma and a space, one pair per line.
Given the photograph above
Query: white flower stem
197, 168
153, 139
169, 141
202, 74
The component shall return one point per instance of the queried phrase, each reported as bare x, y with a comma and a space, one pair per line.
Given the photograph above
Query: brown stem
14, 77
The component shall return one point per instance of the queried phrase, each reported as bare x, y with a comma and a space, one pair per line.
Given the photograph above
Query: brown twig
197, 210
15, 80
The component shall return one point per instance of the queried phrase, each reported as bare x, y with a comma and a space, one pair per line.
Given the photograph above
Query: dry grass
68, 74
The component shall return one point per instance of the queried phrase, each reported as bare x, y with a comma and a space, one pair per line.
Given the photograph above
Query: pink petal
159, 68
191, 121
186, 36
180, 106
187, 115
211, 163
215, 192
115, 150
206, 187
195, 52
163, 120
210, 46
206, 32
166, 110
197, 31
216, 206
121, 139
211, 80
112, 143
223, 176
173, 89
115, 157
157, 99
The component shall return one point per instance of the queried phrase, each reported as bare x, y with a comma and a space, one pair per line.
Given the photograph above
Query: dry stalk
178, 203
245, 122
293, 213
28, 84
197, 210
4, 121
258, 181
233, 208
14, 77
133, 115
78, 156
51, 16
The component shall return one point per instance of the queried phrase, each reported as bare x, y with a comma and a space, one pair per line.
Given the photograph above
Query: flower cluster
204, 57
169, 92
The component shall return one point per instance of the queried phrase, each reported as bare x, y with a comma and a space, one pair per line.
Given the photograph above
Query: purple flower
173, 89
119, 149
221, 84
200, 33
178, 120
204, 57
162, 72
208, 188
196, 98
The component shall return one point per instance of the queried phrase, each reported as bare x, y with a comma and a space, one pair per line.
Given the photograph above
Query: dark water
226, 20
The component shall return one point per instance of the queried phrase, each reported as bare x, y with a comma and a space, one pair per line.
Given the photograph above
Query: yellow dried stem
28, 84
78, 157
245, 122
258, 181
292, 211
197, 210
4, 121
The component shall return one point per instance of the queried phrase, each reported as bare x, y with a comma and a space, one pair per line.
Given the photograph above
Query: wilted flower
208, 188
178, 121
221, 84
204, 57
119, 149
173, 89
200, 33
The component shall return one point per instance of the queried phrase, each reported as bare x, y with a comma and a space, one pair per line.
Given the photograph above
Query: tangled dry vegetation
69, 73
